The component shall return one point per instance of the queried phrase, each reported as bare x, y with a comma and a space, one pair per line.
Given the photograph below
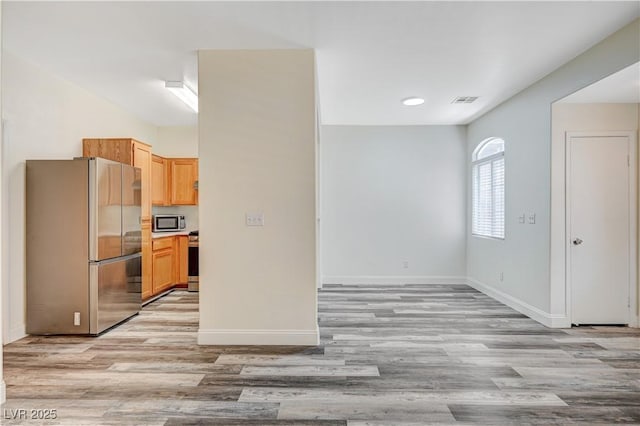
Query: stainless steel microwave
168, 222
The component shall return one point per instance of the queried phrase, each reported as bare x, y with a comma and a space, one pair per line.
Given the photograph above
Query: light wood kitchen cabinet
160, 195
162, 271
142, 159
170, 262
147, 261
163, 266
174, 181
163, 243
120, 150
184, 180
182, 259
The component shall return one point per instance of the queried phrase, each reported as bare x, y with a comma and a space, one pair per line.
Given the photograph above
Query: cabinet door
147, 265
184, 177
158, 174
182, 259
163, 269
112, 149
142, 159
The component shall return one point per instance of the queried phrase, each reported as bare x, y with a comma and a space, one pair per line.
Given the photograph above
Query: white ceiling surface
622, 87
370, 55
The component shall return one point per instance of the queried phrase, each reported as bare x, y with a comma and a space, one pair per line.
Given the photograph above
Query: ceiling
370, 55
622, 87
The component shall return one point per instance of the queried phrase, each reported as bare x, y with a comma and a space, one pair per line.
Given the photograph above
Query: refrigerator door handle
93, 210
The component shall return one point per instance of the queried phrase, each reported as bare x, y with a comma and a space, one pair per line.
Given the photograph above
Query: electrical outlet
255, 219
76, 318
405, 264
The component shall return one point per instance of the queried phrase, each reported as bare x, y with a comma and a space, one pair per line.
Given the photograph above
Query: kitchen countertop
168, 234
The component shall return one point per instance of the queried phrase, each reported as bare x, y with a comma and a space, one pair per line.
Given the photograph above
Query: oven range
194, 281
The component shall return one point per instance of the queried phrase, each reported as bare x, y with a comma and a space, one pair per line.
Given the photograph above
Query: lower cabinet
147, 261
182, 259
169, 262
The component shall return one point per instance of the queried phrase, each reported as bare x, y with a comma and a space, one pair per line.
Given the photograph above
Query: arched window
487, 207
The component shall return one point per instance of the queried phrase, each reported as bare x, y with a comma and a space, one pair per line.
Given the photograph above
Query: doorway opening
594, 212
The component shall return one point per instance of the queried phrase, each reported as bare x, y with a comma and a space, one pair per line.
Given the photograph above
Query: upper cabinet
184, 181
120, 150
175, 181
142, 159
160, 195
127, 151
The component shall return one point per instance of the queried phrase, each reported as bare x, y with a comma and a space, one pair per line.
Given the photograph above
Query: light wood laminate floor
402, 355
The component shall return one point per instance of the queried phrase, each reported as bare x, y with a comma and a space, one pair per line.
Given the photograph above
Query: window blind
488, 197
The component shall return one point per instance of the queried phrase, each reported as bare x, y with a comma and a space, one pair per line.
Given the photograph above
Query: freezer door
115, 291
105, 209
131, 196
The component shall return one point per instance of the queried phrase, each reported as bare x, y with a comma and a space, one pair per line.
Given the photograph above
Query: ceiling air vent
464, 99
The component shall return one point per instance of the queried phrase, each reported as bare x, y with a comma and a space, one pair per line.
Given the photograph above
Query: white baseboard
545, 318
3, 392
391, 280
259, 337
15, 333
635, 322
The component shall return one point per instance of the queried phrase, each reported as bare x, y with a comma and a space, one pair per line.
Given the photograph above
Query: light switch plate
255, 219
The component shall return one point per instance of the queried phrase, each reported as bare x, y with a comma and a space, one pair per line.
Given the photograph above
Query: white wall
257, 154
45, 117
393, 194
568, 117
524, 122
176, 141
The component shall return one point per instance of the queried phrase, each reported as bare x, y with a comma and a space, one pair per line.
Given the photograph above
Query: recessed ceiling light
412, 101
184, 92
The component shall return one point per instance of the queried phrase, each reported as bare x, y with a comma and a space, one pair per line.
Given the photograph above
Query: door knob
577, 242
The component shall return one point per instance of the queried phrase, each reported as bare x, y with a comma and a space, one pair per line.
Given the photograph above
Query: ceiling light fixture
184, 92
412, 101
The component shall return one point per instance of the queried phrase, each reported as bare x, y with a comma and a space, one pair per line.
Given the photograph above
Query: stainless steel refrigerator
83, 245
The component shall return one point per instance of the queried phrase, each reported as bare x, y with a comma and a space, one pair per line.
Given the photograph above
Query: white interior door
599, 229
